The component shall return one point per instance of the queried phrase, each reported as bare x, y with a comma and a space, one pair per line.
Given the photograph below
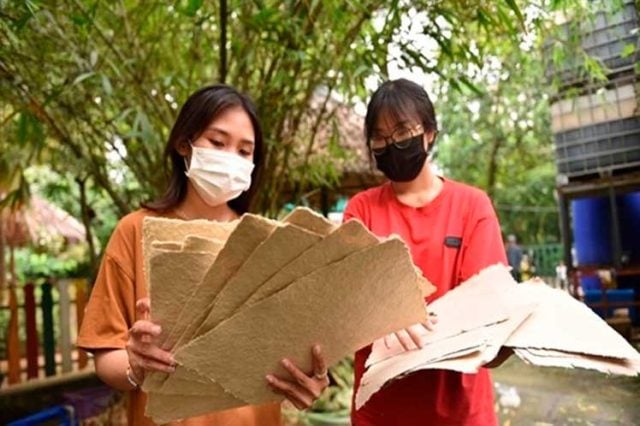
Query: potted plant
334, 405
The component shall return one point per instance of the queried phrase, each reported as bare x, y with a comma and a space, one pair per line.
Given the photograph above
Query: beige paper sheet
546, 358
249, 233
483, 342
558, 331
164, 408
310, 220
337, 306
197, 243
162, 229
563, 323
165, 245
459, 310
282, 246
347, 239
174, 278
343, 241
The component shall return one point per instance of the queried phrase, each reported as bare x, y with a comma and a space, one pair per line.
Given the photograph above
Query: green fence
545, 258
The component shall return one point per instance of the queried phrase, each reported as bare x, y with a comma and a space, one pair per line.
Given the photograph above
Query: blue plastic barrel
629, 214
590, 283
613, 296
592, 230
58, 415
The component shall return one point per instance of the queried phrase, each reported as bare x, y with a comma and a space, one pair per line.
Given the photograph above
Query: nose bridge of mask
212, 159
225, 168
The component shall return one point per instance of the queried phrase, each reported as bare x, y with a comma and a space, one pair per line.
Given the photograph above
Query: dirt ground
527, 395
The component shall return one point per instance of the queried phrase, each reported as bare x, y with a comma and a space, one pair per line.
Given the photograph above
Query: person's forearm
111, 367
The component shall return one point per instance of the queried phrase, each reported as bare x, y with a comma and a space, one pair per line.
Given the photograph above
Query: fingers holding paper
304, 388
412, 337
142, 350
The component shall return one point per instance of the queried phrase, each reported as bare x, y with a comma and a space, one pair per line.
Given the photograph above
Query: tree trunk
85, 212
3, 259
223, 41
492, 168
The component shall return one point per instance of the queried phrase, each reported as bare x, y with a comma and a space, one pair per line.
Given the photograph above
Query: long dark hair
196, 114
400, 99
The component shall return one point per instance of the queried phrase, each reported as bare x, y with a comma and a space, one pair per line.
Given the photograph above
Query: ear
429, 138
184, 148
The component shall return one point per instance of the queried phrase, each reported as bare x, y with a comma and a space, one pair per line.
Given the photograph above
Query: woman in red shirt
452, 232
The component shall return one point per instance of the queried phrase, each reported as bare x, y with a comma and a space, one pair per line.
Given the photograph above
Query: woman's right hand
144, 354
412, 337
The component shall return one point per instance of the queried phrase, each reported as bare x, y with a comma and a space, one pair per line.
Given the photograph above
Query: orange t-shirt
111, 311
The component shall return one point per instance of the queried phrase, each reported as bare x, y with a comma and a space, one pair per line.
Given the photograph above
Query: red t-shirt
451, 238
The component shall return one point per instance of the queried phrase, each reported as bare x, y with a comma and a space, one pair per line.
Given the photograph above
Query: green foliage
91, 89
500, 139
34, 266
337, 397
105, 79
62, 190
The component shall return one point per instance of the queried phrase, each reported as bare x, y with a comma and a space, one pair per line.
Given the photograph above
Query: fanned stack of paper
235, 299
544, 327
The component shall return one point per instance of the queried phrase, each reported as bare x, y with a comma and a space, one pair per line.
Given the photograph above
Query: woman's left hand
304, 389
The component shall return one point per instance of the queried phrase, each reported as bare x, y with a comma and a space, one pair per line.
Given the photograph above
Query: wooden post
32, 331
3, 259
81, 302
13, 341
47, 330
64, 324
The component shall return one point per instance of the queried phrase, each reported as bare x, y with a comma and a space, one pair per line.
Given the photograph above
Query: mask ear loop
184, 158
430, 151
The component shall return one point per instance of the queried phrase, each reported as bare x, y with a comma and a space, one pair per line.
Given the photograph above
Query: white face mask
218, 176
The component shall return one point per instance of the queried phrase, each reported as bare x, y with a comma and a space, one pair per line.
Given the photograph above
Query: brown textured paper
310, 220
174, 277
281, 247
164, 408
347, 239
165, 245
197, 243
249, 233
163, 229
338, 306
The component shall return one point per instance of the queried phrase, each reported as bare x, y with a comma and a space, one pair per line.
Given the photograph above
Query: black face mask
402, 161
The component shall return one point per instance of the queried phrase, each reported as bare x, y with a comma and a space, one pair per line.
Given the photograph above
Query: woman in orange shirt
216, 150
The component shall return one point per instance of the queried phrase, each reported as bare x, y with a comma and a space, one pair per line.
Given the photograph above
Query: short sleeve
355, 210
483, 245
110, 311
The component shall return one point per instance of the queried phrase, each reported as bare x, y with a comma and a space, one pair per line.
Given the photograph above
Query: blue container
58, 415
590, 283
629, 215
592, 230
614, 295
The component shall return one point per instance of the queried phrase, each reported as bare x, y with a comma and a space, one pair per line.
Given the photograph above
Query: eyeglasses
401, 138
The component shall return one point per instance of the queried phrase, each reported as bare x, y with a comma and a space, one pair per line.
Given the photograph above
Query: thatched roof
39, 221
344, 123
